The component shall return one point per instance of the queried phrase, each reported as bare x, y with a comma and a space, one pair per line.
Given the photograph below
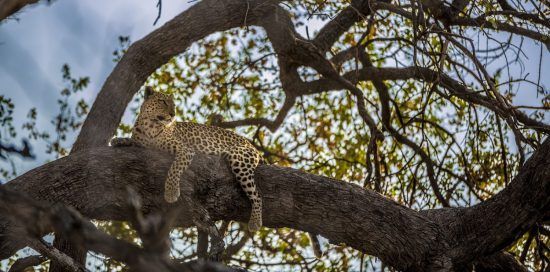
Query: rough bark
75, 252
9, 7
500, 262
94, 181
21, 264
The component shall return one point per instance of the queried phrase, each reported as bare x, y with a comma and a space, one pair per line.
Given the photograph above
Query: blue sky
80, 33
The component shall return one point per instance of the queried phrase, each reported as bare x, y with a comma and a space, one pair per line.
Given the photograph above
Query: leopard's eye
160, 117
165, 103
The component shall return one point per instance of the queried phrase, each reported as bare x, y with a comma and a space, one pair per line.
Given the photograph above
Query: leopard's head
158, 108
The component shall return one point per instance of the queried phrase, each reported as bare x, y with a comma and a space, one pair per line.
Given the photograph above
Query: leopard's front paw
171, 196
120, 142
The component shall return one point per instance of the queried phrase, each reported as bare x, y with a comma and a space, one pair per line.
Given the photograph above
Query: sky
83, 34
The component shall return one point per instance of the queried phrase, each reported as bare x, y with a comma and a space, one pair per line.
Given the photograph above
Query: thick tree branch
295, 50
94, 181
502, 222
65, 262
9, 7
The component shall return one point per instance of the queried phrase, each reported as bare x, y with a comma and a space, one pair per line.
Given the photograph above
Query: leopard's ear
148, 91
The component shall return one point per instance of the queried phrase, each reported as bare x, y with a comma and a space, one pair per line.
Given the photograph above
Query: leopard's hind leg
243, 163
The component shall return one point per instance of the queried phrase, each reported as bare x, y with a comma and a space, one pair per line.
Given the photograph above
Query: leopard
156, 127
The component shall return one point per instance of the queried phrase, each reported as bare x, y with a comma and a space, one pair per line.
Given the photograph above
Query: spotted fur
156, 127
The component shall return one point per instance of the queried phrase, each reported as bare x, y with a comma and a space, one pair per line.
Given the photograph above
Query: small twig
24, 152
159, 6
527, 245
246, 15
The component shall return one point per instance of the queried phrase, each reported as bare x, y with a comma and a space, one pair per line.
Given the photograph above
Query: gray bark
94, 181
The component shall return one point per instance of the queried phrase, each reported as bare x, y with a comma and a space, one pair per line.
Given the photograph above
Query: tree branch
499, 219
9, 7
69, 223
82, 178
55, 255
23, 263
499, 262
24, 151
293, 199
332, 31
479, 22
271, 125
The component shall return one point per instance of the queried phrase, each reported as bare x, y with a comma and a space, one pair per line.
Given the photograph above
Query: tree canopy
407, 133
